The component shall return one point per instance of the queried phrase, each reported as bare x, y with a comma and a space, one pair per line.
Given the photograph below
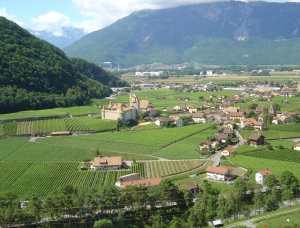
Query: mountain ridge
172, 35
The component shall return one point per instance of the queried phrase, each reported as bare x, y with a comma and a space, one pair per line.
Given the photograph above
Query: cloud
11, 17
52, 22
105, 12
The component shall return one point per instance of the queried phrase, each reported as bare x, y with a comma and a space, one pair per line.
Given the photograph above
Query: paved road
249, 222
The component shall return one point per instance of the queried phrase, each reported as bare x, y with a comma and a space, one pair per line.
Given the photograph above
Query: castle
125, 112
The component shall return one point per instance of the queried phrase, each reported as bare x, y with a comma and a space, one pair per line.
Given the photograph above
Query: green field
280, 221
171, 143
270, 134
52, 162
24, 178
40, 178
80, 110
83, 123
278, 160
263, 163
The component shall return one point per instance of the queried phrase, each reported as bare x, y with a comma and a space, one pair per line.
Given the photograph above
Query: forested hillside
37, 75
97, 73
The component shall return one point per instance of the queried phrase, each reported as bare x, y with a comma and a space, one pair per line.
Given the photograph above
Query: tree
222, 208
271, 181
103, 223
177, 223
258, 200
273, 200
197, 215
276, 107
253, 106
288, 180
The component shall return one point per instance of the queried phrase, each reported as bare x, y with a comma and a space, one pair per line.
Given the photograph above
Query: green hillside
37, 75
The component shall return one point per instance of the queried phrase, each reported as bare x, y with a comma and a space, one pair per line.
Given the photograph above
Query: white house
261, 175
297, 146
218, 173
107, 163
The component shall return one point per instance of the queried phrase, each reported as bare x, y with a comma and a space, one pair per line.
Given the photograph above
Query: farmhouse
191, 185
261, 175
228, 151
218, 173
107, 163
256, 140
174, 120
297, 147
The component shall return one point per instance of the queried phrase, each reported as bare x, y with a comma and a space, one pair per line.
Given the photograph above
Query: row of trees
165, 205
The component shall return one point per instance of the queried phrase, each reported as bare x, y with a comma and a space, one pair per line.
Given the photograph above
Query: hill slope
36, 75
212, 33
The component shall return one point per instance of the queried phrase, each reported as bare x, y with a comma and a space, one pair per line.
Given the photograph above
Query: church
125, 112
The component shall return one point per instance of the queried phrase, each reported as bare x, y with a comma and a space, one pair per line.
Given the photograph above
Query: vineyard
40, 178
151, 169
285, 127
270, 134
281, 155
175, 143
256, 164
86, 123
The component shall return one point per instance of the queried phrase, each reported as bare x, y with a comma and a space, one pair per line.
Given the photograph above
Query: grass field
280, 221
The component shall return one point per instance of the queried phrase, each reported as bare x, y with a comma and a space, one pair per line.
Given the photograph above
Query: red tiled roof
265, 172
218, 170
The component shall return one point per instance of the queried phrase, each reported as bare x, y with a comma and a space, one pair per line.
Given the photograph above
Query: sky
90, 15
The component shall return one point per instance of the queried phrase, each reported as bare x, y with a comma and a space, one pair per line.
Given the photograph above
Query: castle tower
134, 101
103, 113
272, 111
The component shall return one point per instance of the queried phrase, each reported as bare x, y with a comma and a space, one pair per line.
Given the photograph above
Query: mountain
210, 33
68, 36
37, 75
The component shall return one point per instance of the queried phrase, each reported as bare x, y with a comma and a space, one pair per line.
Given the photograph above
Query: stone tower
103, 113
272, 111
134, 101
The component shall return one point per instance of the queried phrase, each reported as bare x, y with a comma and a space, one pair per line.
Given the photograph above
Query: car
230, 182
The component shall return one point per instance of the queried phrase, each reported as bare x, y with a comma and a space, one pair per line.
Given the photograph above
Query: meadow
290, 220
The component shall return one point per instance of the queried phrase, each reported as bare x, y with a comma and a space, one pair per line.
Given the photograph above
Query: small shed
256, 140
217, 223
60, 133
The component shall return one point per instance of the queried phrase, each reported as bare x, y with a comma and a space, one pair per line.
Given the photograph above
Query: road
249, 222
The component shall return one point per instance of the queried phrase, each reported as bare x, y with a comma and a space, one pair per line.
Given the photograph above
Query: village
224, 110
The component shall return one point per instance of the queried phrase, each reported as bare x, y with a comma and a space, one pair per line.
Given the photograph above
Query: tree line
165, 205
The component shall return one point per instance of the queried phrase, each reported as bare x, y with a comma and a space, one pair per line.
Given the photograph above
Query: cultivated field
84, 123
41, 166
